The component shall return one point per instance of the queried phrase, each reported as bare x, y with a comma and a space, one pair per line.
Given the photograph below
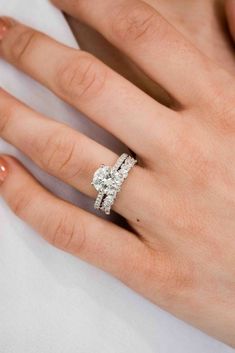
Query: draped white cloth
51, 302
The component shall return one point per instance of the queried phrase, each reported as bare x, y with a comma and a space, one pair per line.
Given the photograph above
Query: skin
191, 18
180, 254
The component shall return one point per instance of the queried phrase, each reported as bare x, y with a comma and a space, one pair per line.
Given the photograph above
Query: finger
145, 36
230, 12
65, 153
89, 85
71, 229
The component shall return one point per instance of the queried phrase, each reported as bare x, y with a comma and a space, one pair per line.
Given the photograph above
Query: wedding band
108, 181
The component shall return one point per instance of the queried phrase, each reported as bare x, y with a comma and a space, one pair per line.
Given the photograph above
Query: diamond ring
108, 181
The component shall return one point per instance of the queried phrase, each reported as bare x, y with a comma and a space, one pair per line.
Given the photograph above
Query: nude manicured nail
3, 170
3, 28
5, 24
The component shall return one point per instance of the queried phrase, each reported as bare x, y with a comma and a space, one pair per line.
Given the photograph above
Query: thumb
230, 11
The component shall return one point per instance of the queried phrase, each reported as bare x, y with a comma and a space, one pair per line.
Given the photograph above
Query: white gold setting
108, 181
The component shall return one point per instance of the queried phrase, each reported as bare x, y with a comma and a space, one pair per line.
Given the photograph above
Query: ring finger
64, 152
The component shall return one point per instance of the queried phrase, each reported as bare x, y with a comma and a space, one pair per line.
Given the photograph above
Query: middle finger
150, 41
89, 85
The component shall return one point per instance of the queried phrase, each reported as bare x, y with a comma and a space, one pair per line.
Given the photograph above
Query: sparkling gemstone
117, 178
107, 180
102, 178
111, 191
108, 201
124, 171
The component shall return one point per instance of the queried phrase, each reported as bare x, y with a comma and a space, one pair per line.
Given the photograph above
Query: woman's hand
179, 200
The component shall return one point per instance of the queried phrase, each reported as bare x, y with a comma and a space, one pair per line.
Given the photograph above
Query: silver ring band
119, 162
108, 181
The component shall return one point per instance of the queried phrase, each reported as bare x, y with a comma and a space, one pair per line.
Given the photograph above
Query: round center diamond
108, 182
102, 178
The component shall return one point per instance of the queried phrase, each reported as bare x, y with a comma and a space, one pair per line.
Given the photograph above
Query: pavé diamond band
108, 181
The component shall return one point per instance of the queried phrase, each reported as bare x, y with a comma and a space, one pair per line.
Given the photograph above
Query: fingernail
3, 170
5, 25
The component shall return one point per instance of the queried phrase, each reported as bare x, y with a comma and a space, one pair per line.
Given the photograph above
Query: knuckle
81, 77
5, 115
134, 23
68, 236
191, 158
3, 123
219, 101
224, 117
20, 201
57, 153
23, 43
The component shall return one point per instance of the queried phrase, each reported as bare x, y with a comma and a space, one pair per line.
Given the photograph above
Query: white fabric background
51, 302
